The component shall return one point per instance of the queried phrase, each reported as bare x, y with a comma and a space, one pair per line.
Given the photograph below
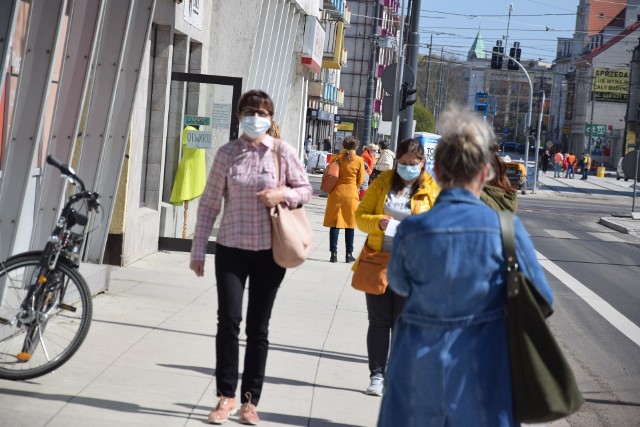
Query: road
565, 230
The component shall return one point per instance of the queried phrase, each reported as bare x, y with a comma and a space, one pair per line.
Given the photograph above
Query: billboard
429, 142
611, 85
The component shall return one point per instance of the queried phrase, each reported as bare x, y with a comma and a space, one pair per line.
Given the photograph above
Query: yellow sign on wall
611, 85
345, 126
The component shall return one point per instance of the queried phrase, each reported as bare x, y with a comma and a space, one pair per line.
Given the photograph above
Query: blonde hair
274, 130
464, 147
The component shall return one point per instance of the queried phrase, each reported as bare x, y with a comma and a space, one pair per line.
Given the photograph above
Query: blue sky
535, 24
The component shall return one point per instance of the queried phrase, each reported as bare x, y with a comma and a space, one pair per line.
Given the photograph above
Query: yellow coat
371, 209
343, 200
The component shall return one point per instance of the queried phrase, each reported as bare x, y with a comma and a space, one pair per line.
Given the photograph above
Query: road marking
561, 234
610, 314
607, 237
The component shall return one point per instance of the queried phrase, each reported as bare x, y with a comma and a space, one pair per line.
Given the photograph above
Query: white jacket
385, 162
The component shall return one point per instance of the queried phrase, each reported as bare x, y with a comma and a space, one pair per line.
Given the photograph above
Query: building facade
359, 41
111, 91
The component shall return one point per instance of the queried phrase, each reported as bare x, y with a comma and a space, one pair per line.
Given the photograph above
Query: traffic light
405, 93
514, 52
496, 56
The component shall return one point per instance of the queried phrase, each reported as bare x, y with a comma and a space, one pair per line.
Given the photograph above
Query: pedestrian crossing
606, 236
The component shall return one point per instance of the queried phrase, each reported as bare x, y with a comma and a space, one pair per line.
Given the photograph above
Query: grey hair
464, 147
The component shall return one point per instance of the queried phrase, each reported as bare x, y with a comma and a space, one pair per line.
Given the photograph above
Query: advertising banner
611, 85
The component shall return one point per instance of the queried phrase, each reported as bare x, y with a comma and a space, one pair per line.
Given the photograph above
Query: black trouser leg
333, 239
264, 281
348, 239
383, 310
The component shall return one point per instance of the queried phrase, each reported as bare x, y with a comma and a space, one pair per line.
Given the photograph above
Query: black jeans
233, 266
348, 239
383, 311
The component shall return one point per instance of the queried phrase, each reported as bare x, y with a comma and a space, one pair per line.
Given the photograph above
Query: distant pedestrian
243, 176
370, 155
571, 165
558, 159
307, 144
342, 202
396, 194
326, 145
449, 362
584, 164
545, 161
385, 162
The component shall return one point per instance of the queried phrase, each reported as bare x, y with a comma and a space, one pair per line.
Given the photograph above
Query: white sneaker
375, 388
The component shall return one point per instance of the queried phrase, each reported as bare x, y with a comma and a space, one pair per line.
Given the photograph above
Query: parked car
620, 172
508, 146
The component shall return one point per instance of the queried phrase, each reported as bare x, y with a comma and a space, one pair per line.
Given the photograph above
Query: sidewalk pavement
149, 357
595, 187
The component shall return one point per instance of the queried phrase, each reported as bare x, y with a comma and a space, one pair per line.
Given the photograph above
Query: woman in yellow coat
405, 190
343, 200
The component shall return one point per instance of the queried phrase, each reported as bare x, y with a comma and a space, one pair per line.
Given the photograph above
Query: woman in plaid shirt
243, 174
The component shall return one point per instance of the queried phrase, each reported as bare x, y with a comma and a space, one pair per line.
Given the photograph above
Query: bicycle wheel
42, 330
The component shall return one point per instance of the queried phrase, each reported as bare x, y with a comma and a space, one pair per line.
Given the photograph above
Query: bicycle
45, 303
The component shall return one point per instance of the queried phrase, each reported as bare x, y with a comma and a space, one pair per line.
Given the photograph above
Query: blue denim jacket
449, 362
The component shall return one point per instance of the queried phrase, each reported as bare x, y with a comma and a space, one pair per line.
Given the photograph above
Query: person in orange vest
557, 164
571, 165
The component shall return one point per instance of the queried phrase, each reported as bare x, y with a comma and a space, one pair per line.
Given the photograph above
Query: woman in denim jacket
449, 363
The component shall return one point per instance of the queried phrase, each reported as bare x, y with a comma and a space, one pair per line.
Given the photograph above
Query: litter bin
600, 172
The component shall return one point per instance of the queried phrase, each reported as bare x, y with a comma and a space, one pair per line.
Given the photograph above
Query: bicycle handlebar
65, 170
91, 197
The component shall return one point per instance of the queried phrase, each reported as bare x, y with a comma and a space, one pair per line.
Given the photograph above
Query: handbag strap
508, 234
276, 158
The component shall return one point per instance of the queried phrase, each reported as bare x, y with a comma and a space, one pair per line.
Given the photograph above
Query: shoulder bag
370, 275
291, 233
543, 385
330, 176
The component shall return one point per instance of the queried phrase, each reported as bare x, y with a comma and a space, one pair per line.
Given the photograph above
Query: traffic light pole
529, 114
396, 91
406, 125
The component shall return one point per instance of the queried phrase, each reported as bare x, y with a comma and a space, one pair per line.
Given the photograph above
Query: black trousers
383, 311
348, 239
233, 267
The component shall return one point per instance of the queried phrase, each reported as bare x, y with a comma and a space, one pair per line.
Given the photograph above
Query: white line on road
607, 237
611, 315
561, 234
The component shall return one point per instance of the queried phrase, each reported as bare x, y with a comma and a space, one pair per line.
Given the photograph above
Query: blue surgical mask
255, 126
408, 172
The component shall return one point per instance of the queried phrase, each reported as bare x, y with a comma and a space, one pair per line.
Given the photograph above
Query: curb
613, 225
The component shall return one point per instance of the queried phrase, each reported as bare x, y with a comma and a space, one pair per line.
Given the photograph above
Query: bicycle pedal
24, 356
67, 307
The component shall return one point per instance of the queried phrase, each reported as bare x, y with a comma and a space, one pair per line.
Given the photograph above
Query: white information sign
199, 139
221, 116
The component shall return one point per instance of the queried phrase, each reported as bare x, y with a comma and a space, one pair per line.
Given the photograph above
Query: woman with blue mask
404, 190
245, 176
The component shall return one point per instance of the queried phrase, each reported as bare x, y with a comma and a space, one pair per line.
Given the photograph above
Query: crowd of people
437, 339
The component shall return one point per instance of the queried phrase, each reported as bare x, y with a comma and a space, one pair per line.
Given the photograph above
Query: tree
425, 121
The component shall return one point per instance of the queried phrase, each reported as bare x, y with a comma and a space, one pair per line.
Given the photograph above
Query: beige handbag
291, 233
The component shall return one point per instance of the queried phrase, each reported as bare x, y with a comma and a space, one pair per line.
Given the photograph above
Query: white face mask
255, 126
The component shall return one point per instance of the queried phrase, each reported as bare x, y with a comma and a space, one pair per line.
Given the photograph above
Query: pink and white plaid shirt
240, 170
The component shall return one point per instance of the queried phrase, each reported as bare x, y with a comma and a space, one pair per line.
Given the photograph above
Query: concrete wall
258, 41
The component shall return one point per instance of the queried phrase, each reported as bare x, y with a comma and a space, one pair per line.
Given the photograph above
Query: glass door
201, 119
